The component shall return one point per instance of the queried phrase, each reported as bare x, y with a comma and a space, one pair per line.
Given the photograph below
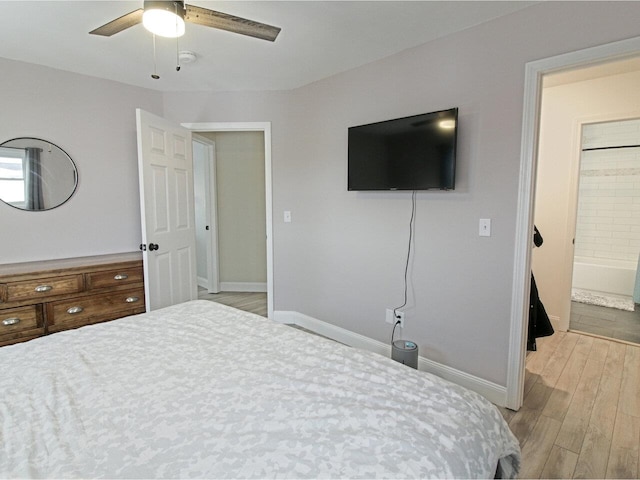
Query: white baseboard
493, 392
243, 287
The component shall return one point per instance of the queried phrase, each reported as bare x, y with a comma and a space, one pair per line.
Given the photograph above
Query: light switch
287, 216
485, 227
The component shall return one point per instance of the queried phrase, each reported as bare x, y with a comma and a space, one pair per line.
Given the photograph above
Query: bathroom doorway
607, 235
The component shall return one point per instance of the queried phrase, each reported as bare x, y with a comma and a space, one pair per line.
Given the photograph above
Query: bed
201, 390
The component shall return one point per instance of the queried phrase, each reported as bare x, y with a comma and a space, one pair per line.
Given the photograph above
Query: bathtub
604, 275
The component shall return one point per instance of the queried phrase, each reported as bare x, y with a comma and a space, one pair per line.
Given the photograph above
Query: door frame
265, 128
211, 214
534, 71
574, 197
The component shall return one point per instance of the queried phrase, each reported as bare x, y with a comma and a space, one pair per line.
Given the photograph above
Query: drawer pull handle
121, 276
43, 288
131, 299
73, 310
10, 321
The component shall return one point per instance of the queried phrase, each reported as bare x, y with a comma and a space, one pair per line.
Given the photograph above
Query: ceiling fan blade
223, 21
119, 24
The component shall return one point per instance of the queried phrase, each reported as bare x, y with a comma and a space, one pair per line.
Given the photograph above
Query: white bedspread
206, 391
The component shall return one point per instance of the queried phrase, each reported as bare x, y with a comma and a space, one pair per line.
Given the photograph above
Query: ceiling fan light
160, 18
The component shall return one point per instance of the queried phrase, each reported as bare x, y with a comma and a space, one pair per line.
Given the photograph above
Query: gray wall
341, 260
94, 121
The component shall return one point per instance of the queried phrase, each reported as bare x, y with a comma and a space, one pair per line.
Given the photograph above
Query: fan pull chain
175, 4
155, 75
177, 56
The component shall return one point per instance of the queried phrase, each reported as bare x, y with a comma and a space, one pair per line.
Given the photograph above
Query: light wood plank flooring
247, 301
581, 412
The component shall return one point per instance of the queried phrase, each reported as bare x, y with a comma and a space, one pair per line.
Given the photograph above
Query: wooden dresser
38, 298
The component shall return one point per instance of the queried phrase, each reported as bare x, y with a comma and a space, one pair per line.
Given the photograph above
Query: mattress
201, 390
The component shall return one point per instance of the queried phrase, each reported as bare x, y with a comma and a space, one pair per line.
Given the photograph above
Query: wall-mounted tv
410, 153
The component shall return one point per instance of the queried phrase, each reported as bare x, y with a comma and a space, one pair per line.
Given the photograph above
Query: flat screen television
410, 153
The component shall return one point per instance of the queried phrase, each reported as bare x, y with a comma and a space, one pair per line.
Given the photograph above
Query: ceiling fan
166, 18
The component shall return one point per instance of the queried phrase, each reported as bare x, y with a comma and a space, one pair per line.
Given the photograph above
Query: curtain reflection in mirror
32, 167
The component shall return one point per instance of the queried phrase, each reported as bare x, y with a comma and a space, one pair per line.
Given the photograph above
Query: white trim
253, 127
522, 252
243, 287
523, 239
491, 391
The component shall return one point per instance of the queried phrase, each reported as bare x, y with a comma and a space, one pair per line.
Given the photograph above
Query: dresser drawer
113, 278
80, 311
43, 288
15, 319
19, 324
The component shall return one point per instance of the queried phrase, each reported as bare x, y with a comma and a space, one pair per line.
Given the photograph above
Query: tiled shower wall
608, 223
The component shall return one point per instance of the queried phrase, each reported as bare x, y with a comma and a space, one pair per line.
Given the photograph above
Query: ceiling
318, 39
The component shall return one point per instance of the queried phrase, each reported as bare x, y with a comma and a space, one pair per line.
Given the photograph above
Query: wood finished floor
581, 412
246, 301
605, 322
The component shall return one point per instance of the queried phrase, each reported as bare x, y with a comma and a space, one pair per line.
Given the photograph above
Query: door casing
264, 127
534, 71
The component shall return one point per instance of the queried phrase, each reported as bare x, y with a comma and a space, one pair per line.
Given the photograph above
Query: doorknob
153, 246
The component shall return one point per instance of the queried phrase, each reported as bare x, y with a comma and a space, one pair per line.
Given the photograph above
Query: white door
165, 169
204, 183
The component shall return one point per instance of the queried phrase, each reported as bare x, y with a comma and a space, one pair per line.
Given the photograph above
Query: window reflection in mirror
35, 174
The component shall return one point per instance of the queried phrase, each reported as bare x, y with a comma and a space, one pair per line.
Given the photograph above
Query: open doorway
534, 72
240, 222
584, 198
607, 242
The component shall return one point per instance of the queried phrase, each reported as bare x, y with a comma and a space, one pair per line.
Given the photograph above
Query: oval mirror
35, 174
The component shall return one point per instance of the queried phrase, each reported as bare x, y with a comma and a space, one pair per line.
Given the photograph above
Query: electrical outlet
399, 316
